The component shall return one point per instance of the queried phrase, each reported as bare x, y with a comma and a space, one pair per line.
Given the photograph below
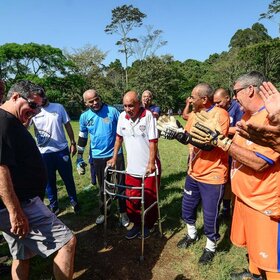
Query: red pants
150, 196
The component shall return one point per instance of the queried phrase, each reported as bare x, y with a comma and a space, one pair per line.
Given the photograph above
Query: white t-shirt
49, 130
136, 136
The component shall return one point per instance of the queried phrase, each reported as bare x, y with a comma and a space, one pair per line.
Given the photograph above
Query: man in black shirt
27, 224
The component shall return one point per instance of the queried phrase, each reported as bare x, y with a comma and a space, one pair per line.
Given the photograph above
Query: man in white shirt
53, 145
137, 129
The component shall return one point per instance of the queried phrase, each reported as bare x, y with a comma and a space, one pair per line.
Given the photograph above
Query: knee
71, 244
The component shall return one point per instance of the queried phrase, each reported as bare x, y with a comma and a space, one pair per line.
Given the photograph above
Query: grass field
183, 264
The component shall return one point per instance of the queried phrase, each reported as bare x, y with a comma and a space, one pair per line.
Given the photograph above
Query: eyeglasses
33, 105
235, 91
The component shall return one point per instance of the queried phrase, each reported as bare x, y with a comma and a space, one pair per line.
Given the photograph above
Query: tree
124, 19
273, 9
17, 61
244, 37
148, 45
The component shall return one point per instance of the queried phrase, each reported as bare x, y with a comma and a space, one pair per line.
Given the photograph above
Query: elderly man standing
28, 226
255, 182
137, 128
49, 127
147, 103
207, 174
100, 123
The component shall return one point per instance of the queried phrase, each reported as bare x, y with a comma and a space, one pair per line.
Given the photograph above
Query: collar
141, 114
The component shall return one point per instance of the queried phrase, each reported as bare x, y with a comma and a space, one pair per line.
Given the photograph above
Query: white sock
210, 245
192, 232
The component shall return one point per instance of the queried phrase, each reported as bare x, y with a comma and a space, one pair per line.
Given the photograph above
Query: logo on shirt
42, 137
187, 192
142, 127
264, 255
106, 120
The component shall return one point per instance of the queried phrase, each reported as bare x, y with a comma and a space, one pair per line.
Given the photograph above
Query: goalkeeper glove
169, 127
81, 166
207, 131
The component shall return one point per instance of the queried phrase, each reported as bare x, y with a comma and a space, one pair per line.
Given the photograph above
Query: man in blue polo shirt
100, 123
222, 99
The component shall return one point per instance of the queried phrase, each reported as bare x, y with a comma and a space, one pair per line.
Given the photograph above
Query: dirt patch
121, 258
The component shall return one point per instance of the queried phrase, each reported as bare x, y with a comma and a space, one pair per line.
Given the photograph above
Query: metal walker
111, 189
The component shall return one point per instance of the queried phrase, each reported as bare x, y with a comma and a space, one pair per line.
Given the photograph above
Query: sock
210, 245
192, 232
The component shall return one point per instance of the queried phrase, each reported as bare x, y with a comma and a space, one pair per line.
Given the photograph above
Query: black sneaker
76, 207
245, 275
206, 257
186, 241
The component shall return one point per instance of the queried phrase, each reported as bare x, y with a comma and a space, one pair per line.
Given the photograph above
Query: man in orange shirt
207, 174
255, 182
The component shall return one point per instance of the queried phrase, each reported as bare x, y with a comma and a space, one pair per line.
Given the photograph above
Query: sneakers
206, 257
147, 233
186, 241
124, 219
245, 275
54, 209
134, 232
76, 207
100, 219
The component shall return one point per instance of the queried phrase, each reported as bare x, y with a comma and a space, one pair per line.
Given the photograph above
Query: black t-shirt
18, 151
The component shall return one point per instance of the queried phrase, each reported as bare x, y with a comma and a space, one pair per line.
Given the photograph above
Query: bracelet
73, 143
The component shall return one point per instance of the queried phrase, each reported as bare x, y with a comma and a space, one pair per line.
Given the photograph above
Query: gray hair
205, 90
26, 89
253, 78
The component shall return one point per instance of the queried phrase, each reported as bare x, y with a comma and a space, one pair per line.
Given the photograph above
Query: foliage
124, 19
242, 38
16, 61
148, 45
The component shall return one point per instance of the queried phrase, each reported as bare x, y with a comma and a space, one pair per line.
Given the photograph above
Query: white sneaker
124, 220
100, 220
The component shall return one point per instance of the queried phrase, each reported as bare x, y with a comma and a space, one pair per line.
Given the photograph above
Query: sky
194, 29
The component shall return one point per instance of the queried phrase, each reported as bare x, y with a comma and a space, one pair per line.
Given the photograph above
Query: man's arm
117, 146
18, 220
247, 157
186, 111
70, 132
152, 157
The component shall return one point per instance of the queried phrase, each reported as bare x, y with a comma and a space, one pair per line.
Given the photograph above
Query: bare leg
63, 266
20, 270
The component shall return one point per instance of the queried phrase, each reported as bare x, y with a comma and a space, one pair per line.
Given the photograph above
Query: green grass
174, 165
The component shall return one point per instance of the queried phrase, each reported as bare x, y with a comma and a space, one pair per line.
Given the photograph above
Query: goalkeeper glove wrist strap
224, 142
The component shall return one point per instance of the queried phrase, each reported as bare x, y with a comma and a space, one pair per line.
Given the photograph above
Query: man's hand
19, 223
111, 162
81, 166
169, 127
265, 135
207, 130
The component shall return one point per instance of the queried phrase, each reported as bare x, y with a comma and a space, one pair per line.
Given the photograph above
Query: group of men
31, 228
254, 172
28, 169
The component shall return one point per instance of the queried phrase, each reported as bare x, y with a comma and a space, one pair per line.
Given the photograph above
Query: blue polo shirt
101, 126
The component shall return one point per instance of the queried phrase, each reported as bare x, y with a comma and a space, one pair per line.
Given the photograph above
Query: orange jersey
209, 167
258, 189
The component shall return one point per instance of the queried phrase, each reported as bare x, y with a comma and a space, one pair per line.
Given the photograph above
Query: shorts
259, 234
47, 233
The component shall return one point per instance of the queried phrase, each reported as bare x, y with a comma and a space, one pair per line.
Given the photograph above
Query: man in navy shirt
223, 100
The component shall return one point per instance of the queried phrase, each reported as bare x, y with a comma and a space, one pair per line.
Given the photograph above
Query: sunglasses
235, 91
33, 105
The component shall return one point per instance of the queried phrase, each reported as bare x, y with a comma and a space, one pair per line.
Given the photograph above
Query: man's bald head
131, 103
92, 99
222, 98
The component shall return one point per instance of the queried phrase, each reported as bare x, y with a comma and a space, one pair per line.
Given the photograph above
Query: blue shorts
47, 233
